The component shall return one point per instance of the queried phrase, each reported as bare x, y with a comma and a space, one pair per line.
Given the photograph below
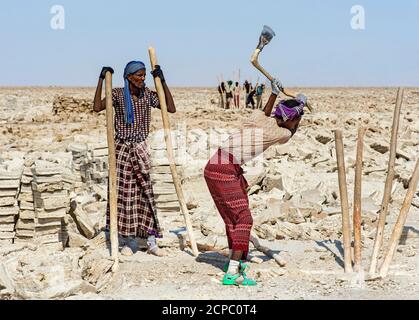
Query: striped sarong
228, 189
137, 214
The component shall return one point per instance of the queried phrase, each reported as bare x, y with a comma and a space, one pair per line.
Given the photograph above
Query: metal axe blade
265, 37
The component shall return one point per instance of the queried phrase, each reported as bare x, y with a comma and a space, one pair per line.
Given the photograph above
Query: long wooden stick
112, 172
401, 220
346, 225
357, 200
267, 251
168, 139
388, 185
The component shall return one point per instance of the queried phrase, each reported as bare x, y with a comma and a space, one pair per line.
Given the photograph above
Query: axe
266, 37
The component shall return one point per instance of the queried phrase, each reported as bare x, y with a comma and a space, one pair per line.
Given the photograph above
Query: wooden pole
357, 201
401, 220
167, 137
112, 172
346, 226
388, 185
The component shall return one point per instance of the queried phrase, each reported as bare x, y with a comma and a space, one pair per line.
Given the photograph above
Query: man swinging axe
225, 180
136, 208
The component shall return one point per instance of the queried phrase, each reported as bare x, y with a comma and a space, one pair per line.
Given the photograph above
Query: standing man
137, 215
246, 86
250, 100
237, 96
227, 185
221, 89
259, 93
229, 93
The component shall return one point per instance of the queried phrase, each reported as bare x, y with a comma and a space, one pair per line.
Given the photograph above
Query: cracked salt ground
293, 197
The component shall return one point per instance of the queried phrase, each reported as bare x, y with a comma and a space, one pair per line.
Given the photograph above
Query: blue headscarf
131, 67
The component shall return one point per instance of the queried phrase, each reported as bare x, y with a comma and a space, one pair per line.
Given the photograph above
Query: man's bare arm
99, 103
169, 99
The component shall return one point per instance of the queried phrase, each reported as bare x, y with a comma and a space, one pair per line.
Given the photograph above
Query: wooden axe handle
255, 62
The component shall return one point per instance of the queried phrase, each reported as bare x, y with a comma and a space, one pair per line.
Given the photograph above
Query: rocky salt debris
65, 105
10, 176
90, 162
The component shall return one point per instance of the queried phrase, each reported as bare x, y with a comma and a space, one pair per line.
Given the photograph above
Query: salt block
52, 203
28, 172
24, 233
46, 168
84, 223
26, 188
8, 192
10, 175
39, 232
25, 224
27, 214
7, 201
6, 242
44, 214
26, 179
48, 179
166, 177
44, 223
22, 239
99, 152
7, 219
166, 197
77, 147
168, 205
49, 187
165, 161
28, 197
26, 205
47, 239
10, 184
162, 169
69, 177
97, 145
45, 195
7, 227
7, 235
9, 211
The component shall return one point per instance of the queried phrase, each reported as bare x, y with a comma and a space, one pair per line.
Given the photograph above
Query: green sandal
233, 280
243, 266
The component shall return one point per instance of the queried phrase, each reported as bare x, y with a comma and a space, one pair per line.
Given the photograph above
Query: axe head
265, 37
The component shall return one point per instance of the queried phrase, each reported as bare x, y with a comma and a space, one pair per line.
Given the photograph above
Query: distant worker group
230, 95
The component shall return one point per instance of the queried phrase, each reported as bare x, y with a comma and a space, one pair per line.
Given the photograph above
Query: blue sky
197, 40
